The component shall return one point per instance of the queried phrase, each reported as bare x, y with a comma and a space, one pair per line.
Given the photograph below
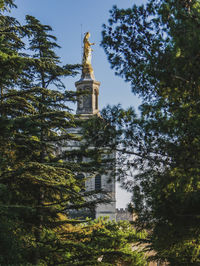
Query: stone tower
88, 88
87, 106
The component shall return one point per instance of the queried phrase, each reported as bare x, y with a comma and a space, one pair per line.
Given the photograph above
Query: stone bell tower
87, 86
88, 90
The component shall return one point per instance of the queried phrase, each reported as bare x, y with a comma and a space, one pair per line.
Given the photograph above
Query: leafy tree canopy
38, 168
155, 47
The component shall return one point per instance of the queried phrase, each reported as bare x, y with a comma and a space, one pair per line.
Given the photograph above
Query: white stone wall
107, 182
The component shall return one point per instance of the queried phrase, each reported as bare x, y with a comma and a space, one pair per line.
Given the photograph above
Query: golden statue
87, 54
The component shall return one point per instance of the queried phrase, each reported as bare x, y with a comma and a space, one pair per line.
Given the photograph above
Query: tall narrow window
97, 182
96, 100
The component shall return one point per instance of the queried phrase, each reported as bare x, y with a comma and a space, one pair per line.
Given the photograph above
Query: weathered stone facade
88, 99
124, 215
87, 105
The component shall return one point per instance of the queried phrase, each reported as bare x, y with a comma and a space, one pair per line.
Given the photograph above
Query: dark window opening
97, 182
96, 100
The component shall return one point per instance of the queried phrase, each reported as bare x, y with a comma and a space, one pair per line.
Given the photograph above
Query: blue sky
66, 18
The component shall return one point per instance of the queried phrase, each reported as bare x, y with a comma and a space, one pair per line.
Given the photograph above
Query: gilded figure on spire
87, 54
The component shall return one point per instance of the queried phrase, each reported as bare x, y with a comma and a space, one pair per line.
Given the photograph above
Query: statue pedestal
87, 73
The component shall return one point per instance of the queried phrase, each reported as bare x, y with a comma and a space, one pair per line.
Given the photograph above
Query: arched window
97, 182
80, 178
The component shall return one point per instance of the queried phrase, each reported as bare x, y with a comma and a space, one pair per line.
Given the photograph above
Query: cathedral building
87, 106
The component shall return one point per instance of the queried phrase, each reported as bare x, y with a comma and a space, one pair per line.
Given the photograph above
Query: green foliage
6, 4
103, 242
38, 184
35, 173
156, 48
